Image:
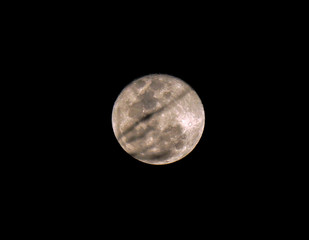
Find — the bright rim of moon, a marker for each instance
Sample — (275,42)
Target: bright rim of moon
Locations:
(158,119)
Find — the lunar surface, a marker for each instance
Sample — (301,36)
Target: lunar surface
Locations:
(158,119)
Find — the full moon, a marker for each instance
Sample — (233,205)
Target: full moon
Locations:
(158,119)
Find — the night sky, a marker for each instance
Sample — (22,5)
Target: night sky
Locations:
(89,68)
(217,72)
(82,67)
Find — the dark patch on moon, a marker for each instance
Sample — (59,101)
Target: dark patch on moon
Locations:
(158,156)
(168,141)
(140,83)
(138,134)
(156,85)
(136,110)
(179,145)
(173,131)
(146,155)
(148,100)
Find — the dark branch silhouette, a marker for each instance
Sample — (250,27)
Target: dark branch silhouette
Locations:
(151,115)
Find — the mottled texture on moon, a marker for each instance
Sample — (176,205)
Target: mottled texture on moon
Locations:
(158,119)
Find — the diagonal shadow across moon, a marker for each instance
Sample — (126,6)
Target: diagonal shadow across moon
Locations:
(152,114)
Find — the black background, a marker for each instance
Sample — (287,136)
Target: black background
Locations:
(78,61)
(90,65)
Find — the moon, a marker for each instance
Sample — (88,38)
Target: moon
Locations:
(158,119)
